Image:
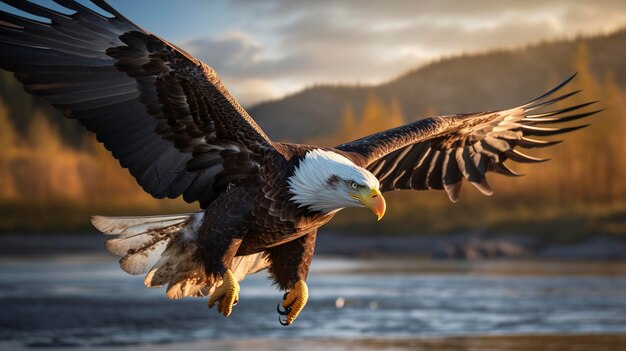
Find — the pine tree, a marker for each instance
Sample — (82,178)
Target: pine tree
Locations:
(54,172)
(396,117)
(42,136)
(374,115)
(348,128)
(581,63)
(614,119)
(8,141)
(584,155)
(8,135)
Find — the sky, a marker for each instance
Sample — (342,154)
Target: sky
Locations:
(266,49)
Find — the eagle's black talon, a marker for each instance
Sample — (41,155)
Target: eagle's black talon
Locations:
(282,313)
(284,323)
(285,296)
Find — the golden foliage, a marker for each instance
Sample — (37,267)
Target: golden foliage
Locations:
(396,117)
(39,173)
(376,116)
(348,124)
(8,141)
(8,136)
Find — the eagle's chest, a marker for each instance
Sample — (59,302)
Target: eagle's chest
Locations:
(272,227)
(276,228)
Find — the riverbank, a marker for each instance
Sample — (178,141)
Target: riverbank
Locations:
(463,246)
(548,342)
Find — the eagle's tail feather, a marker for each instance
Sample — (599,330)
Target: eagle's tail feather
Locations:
(126,226)
(140,240)
(165,247)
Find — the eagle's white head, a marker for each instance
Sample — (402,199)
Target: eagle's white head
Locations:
(326,181)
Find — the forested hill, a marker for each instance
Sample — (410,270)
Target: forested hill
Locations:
(488,81)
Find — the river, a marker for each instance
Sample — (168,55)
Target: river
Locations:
(83,301)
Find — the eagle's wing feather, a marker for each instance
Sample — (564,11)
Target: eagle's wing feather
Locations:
(439,152)
(163,114)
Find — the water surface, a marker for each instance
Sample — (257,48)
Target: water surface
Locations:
(87,301)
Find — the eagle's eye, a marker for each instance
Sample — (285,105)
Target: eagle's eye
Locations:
(354,185)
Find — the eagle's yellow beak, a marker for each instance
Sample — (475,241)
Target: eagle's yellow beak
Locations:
(374,200)
(377,203)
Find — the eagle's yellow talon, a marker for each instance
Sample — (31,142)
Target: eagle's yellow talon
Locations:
(294,301)
(226,295)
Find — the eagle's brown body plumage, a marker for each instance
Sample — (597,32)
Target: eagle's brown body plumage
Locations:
(265,219)
(167,118)
(258,216)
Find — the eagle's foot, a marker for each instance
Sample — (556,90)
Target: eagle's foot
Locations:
(226,295)
(293,303)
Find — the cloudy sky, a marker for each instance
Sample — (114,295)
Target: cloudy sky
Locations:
(266,49)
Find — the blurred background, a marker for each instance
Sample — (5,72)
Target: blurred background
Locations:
(539,265)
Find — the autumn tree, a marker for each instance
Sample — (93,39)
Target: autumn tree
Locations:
(52,171)
(348,127)
(376,117)
(8,141)
(396,117)
(614,120)
(585,79)
(374,114)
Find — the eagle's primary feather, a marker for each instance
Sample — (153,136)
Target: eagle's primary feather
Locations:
(169,120)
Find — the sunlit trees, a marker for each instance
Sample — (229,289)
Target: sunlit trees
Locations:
(376,116)
(50,170)
(612,127)
(39,169)
(396,117)
(348,126)
(8,141)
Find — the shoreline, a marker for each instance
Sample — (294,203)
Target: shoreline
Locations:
(538,342)
(472,246)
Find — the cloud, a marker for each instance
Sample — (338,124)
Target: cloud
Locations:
(235,57)
(286,45)
(229,52)
(250,91)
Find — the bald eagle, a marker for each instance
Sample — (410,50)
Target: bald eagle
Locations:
(169,120)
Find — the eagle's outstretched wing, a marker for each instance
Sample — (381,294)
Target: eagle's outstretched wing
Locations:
(163,114)
(439,152)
